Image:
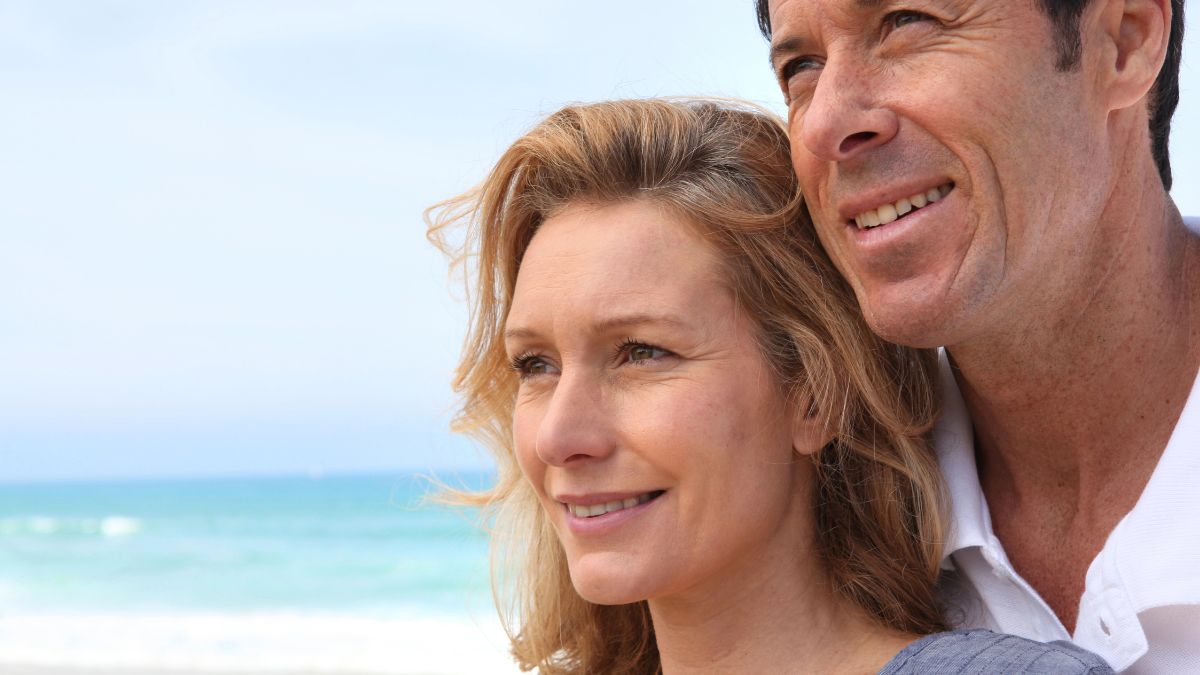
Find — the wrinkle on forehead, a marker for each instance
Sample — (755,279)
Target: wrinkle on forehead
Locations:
(848,15)
(573,269)
(841,14)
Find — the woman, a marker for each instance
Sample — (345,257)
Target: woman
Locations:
(707,462)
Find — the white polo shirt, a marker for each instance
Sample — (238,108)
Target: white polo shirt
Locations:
(1140,608)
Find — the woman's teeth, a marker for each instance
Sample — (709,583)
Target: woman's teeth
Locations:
(580,511)
(890,212)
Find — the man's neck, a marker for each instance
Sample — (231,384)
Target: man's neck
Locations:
(1076,395)
(1073,408)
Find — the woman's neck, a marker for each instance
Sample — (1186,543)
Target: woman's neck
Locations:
(777,613)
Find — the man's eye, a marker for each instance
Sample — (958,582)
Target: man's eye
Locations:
(645,353)
(796,66)
(902,18)
(797,77)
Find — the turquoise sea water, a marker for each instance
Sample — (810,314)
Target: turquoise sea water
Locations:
(315,550)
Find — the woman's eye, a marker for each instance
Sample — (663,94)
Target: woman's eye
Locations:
(638,352)
(532,366)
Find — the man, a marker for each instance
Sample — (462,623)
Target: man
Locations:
(992,176)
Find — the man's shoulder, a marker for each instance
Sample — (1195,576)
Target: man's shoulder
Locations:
(982,651)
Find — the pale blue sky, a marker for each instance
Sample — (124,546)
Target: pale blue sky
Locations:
(212,258)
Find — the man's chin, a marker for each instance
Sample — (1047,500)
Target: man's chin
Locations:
(912,324)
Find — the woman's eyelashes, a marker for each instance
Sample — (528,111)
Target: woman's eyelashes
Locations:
(629,352)
(636,352)
(530,364)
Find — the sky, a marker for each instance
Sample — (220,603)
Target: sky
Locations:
(212,255)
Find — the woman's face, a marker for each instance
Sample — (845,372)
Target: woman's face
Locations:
(647,420)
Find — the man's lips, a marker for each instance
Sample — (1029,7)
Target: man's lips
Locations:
(870,211)
(891,211)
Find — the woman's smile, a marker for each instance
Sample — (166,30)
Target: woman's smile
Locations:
(590,515)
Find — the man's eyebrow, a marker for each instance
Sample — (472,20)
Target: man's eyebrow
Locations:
(607,324)
(786,46)
(793,44)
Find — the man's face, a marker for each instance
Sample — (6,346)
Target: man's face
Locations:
(951,170)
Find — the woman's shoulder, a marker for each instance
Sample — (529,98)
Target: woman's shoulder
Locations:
(982,651)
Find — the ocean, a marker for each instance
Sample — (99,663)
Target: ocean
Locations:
(322,574)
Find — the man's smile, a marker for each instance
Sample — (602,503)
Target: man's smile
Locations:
(891,211)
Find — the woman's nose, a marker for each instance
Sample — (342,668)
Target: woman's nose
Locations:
(845,118)
(576,426)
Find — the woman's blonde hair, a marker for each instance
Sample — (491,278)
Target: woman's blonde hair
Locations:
(725,167)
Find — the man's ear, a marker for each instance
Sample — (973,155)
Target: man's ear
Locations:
(811,430)
(1132,38)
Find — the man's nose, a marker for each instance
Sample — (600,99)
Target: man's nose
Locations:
(845,117)
(576,426)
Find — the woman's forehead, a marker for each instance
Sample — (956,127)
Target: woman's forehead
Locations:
(612,262)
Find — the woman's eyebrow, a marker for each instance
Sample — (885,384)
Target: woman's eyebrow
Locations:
(607,324)
(520,334)
(611,323)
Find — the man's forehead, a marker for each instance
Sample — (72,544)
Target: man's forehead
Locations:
(794,23)
(784,12)
(783,8)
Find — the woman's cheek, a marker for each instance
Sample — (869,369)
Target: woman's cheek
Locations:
(525,426)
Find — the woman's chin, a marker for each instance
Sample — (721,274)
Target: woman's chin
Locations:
(609,584)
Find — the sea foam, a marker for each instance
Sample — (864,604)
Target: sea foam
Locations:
(48,526)
(256,642)
(339,574)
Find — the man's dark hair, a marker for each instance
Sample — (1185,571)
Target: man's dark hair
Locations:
(1064,15)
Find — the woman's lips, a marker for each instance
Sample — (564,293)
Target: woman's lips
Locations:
(609,514)
(591,508)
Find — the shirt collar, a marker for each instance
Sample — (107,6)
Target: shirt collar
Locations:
(1154,551)
(954,441)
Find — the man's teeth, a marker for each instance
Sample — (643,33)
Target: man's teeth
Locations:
(889,212)
(580,511)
